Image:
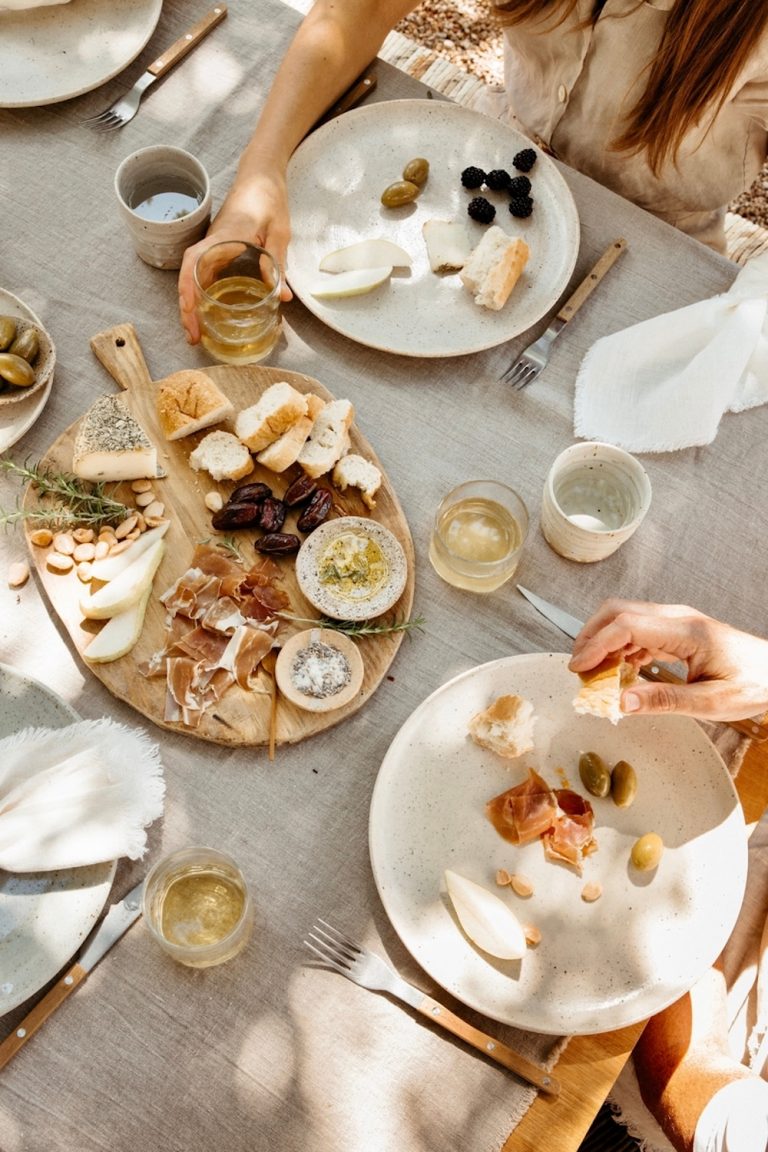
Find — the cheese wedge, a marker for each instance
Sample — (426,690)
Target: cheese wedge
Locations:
(111,445)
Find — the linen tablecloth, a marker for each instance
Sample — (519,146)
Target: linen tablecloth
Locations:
(265,1052)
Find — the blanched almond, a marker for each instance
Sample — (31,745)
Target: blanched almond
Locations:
(59,562)
(154,510)
(145,498)
(591,892)
(125,527)
(101,549)
(214,501)
(120,546)
(155,521)
(135,534)
(84,569)
(41,537)
(532,934)
(141,486)
(83,552)
(141,524)
(503,877)
(18,574)
(521,885)
(64,543)
(83,535)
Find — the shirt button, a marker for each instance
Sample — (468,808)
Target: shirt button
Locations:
(562,93)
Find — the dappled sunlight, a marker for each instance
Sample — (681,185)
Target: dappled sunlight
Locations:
(210,77)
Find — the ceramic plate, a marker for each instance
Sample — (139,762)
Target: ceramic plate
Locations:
(52,53)
(44,916)
(18,418)
(599,966)
(336,177)
(363,600)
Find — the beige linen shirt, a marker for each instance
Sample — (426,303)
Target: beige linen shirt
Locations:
(572,86)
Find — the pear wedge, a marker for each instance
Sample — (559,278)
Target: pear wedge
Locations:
(487,920)
(126,589)
(111,566)
(119,634)
(366,254)
(353,283)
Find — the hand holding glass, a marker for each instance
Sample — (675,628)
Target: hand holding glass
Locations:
(237,301)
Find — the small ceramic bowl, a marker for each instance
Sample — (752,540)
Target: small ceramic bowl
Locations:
(43,363)
(308,681)
(352,568)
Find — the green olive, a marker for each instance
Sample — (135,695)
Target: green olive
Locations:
(416,171)
(26,345)
(594,773)
(623,784)
(7,331)
(646,852)
(16,370)
(399,193)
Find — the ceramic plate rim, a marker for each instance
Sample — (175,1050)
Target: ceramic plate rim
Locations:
(413,893)
(31,407)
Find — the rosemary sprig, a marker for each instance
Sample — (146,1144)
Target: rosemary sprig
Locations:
(227,544)
(76,501)
(359,627)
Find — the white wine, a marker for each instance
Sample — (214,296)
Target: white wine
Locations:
(476,544)
(201,908)
(238,324)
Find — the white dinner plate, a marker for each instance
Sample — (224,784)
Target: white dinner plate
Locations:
(335,180)
(44,916)
(599,966)
(18,418)
(52,53)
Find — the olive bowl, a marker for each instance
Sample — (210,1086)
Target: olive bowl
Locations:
(43,363)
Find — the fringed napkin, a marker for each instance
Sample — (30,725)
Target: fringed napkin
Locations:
(665,384)
(76,795)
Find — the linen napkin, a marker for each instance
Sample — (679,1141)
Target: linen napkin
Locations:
(665,383)
(76,795)
(17,5)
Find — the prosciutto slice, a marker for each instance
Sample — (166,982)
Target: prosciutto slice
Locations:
(571,838)
(525,812)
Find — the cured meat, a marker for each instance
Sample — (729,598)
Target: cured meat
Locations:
(571,838)
(246,649)
(561,818)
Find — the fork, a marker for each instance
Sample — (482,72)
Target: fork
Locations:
(123,110)
(531,361)
(368,970)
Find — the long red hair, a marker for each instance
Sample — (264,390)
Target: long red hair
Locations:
(705,45)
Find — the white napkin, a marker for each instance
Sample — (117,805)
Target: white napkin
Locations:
(76,795)
(664,384)
(17,5)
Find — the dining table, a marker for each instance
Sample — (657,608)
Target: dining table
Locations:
(269,1051)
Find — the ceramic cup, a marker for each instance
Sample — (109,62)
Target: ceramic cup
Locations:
(595,497)
(478,535)
(165,199)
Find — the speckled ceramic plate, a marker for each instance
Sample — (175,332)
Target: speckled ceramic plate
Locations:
(363,601)
(52,53)
(599,966)
(335,179)
(44,916)
(18,418)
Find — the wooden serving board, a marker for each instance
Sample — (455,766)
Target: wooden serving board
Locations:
(239,717)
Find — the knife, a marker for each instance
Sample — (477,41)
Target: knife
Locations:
(353,95)
(656,671)
(117,921)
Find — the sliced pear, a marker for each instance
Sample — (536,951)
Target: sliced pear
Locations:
(488,921)
(366,254)
(119,634)
(126,589)
(111,566)
(354,283)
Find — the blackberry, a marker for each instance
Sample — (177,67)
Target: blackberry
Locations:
(480,210)
(525,160)
(521,206)
(498,180)
(473,177)
(519,186)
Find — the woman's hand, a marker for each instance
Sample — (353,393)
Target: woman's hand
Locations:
(256,211)
(727,669)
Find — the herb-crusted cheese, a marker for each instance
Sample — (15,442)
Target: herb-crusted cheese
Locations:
(111,445)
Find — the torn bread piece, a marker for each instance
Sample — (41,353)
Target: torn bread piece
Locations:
(284,451)
(222,456)
(274,413)
(494,267)
(329,439)
(601,689)
(505,727)
(448,245)
(354,471)
(189,401)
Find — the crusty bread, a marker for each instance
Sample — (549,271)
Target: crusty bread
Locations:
(601,689)
(329,439)
(354,471)
(505,727)
(494,267)
(284,451)
(276,411)
(189,401)
(223,456)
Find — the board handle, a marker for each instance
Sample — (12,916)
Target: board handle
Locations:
(119,351)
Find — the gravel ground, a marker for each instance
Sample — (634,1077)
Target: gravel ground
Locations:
(465,32)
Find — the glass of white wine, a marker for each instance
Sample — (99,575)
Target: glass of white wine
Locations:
(478,535)
(197,906)
(237,289)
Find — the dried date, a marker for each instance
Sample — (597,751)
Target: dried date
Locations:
(300,490)
(237,516)
(272,515)
(249,493)
(278,544)
(316,511)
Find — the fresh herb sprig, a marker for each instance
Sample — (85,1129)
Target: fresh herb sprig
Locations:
(75,501)
(226,544)
(359,627)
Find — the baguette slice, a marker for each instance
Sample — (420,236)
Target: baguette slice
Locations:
(223,456)
(189,401)
(601,689)
(494,267)
(329,439)
(285,450)
(354,471)
(275,412)
(505,727)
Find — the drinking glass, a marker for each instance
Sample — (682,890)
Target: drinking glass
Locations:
(237,289)
(478,535)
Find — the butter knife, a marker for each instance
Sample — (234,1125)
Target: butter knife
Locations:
(656,671)
(117,921)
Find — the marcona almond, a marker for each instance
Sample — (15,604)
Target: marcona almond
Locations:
(145,498)
(155,521)
(125,527)
(503,877)
(41,537)
(84,570)
(135,534)
(214,501)
(591,892)
(84,552)
(141,486)
(59,562)
(100,549)
(18,574)
(521,885)
(64,543)
(119,546)
(141,524)
(154,510)
(83,535)
(532,934)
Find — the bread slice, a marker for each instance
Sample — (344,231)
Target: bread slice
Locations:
(223,456)
(601,689)
(276,411)
(189,401)
(329,439)
(284,451)
(354,471)
(494,267)
(505,727)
